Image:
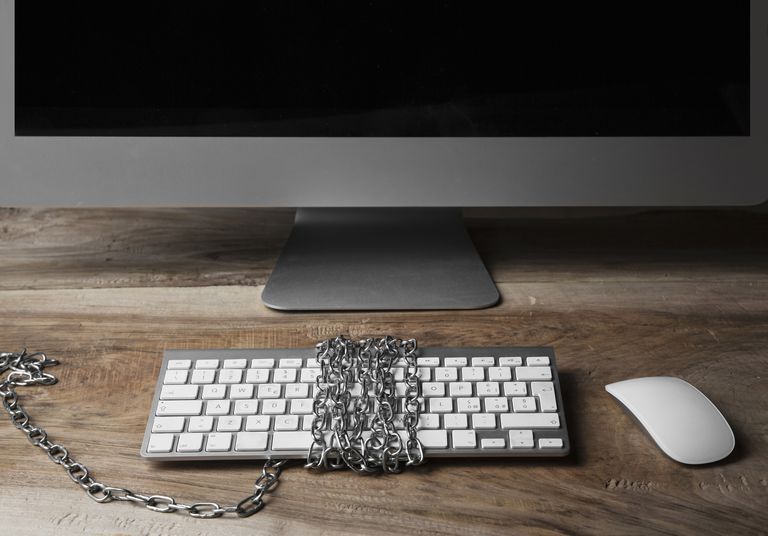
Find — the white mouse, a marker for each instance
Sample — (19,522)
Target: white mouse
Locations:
(685,424)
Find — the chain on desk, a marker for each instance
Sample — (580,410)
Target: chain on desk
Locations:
(24,369)
(28,369)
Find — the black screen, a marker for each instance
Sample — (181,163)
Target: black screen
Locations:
(382,68)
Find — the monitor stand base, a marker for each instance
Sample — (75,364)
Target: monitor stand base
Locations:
(379,259)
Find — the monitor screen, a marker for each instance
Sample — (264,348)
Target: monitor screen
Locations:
(383,69)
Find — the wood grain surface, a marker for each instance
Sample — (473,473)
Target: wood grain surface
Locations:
(619,294)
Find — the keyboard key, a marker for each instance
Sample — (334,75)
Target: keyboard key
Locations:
(175,377)
(190,443)
(428,361)
(297,390)
(301,406)
(510,361)
(178,392)
(167,424)
(484,421)
(291,363)
(500,374)
(257,376)
(169,408)
(446,374)
(214,392)
(160,443)
(460,389)
(235,363)
(217,407)
(530,420)
(492,443)
(309,375)
(229,424)
(463,439)
(200,424)
(432,389)
(251,441)
(483,361)
(270,390)
(455,362)
(521,439)
(537,361)
(453,421)
(429,421)
(496,404)
(468,405)
(246,407)
(273,407)
(550,443)
(525,374)
(257,423)
(176,364)
(203,376)
(230,376)
(291,440)
(207,364)
(523,404)
(487,389)
(262,363)
(472,374)
(284,375)
(219,442)
(515,389)
(241,391)
(287,422)
(437,439)
(425,374)
(306,422)
(440,405)
(545,391)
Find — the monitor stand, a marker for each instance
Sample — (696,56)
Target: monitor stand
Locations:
(379,259)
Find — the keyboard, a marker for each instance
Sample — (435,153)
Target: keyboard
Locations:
(257,404)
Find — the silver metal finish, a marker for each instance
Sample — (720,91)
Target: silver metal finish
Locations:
(435,172)
(379,259)
(557,432)
(338,439)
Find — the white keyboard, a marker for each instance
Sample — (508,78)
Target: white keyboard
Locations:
(257,404)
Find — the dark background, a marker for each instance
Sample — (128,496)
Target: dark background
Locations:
(383,68)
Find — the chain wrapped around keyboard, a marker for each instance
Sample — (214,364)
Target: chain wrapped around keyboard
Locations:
(357,431)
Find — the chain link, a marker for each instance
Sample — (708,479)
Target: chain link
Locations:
(339,437)
(28,369)
(338,429)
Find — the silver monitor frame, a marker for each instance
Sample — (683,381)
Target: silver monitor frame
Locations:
(397,172)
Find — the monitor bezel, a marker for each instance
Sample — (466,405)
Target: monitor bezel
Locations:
(436,172)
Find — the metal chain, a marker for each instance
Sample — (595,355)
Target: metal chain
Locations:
(28,369)
(343,364)
(339,428)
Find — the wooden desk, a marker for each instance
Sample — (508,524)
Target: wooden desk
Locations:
(618,295)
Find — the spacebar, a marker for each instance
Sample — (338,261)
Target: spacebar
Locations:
(291,440)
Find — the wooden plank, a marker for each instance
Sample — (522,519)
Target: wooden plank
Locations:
(101,248)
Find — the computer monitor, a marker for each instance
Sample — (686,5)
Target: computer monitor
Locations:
(378,119)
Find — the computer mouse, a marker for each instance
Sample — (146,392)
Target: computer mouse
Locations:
(683,422)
